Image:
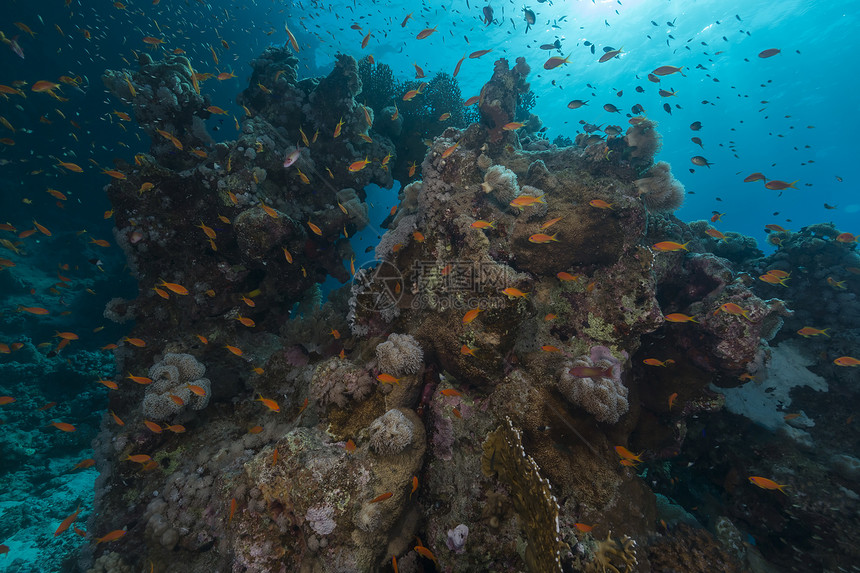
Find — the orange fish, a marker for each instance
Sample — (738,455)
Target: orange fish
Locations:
(255,429)
(808,331)
(471,101)
(269,403)
(84,464)
(732,308)
(174,287)
(524,201)
(117,419)
(32,309)
(112,536)
(669,246)
(175,428)
(600,204)
(450,150)
(766,483)
(359,165)
(565,276)
(233,349)
(678,317)
(627,454)
(672,397)
(542,238)
(135,342)
(387,379)
(450,392)
(138,458)
(550,348)
(41,228)
(66,523)
(755,177)
(772,279)
(64,426)
(315,229)
(424,552)
(109,383)
(846,361)
(550,223)
(655,362)
(232,510)
(514,292)
(467,350)
(153,427)
(381,497)
(481,224)
(583,527)
(6,400)
(471,315)
(139,379)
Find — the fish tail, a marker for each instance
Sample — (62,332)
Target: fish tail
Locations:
(824,332)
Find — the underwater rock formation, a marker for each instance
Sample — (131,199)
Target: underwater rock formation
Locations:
(479,378)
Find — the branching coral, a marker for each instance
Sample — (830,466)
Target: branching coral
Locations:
(601,394)
(531,496)
(400,354)
(660,191)
(169,392)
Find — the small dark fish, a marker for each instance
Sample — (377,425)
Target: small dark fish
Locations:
(697,141)
(586,43)
(592,48)
(672,23)
(667,108)
(769,53)
(640,89)
(696,125)
(637,109)
(611,108)
(529,17)
(826,206)
(488,15)
(700,161)
(655,23)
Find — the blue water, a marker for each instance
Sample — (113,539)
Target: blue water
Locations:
(790,117)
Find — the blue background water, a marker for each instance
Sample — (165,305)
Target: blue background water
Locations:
(805,131)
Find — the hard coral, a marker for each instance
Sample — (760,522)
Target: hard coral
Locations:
(400,354)
(604,397)
(171,377)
